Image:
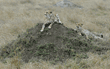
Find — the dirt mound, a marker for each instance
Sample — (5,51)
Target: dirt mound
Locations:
(55,44)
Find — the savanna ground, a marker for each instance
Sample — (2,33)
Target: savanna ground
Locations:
(18,16)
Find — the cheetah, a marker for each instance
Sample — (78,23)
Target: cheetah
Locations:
(50,18)
(87,33)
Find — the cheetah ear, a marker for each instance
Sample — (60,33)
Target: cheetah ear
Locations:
(81,24)
(78,24)
(45,12)
(50,11)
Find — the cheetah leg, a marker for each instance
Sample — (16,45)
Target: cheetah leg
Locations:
(50,25)
(43,26)
(87,37)
(58,19)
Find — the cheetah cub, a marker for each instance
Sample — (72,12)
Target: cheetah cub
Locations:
(50,18)
(80,30)
(88,34)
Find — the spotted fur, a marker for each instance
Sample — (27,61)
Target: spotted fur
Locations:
(50,18)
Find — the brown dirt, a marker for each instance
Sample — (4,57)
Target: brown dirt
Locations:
(55,44)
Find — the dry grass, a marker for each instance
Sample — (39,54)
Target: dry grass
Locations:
(18,15)
(93,62)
